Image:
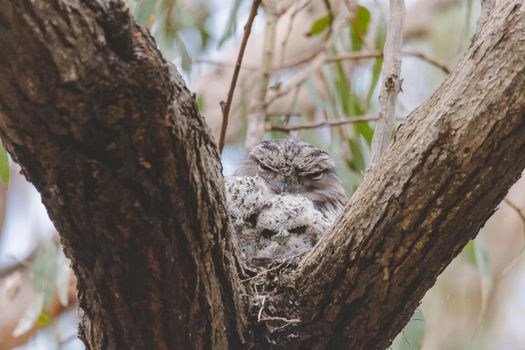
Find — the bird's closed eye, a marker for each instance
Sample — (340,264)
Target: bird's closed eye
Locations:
(315,176)
(263,167)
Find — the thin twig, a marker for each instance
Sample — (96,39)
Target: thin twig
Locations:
(293,102)
(288,32)
(319,124)
(223,64)
(428,59)
(406,340)
(360,55)
(516,209)
(318,59)
(255,131)
(286,261)
(284,7)
(297,79)
(363,55)
(259,314)
(282,319)
(391,81)
(284,114)
(225,107)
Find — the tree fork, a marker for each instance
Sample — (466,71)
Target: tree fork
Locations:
(129,174)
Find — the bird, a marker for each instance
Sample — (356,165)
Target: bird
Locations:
(281,200)
(296,167)
(268,226)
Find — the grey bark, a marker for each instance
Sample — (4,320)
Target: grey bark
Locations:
(113,141)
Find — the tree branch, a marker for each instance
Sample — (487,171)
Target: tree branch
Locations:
(255,128)
(112,139)
(391,81)
(315,125)
(225,106)
(452,163)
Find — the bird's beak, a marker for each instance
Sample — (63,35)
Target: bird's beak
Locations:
(284,186)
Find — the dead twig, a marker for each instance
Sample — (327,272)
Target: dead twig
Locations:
(363,55)
(259,314)
(319,124)
(225,106)
(428,59)
(285,261)
(516,209)
(360,55)
(391,81)
(282,319)
(255,131)
(223,64)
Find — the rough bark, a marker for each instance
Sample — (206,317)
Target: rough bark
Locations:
(451,164)
(112,139)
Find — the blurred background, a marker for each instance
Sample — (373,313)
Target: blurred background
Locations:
(311,71)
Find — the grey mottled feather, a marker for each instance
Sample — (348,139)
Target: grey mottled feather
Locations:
(290,166)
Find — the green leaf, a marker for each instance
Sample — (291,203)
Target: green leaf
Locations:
(350,104)
(359,27)
(376,74)
(43,319)
(62,277)
(231,26)
(343,90)
(44,271)
(319,25)
(468,254)
(357,163)
(481,254)
(143,10)
(30,316)
(205,36)
(411,337)
(183,52)
(200,103)
(476,255)
(379,41)
(364,130)
(4,165)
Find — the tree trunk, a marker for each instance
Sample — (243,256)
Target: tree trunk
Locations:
(128,171)
(113,141)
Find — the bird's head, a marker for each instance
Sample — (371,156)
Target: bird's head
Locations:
(290,166)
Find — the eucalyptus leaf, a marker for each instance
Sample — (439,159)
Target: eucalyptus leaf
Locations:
(319,26)
(4,165)
(183,52)
(43,270)
(62,277)
(143,11)
(359,27)
(357,163)
(468,254)
(411,337)
(30,316)
(364,129)
(481,254)
(231,25)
